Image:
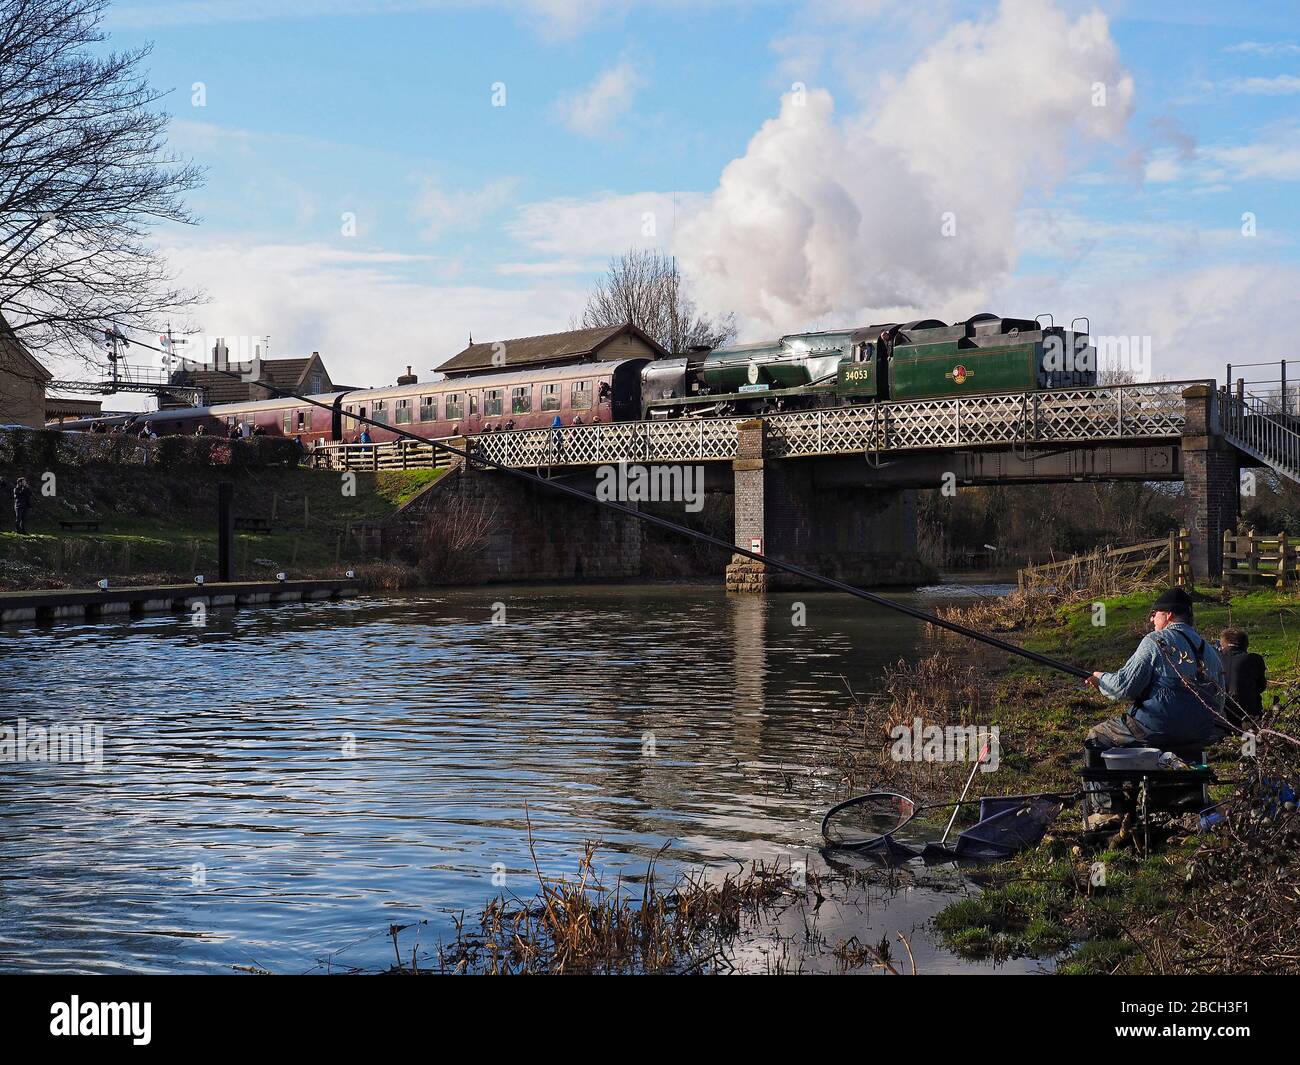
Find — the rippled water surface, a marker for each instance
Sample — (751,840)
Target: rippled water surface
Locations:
(283,784)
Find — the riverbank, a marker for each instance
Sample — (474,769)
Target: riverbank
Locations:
(147,525)
(1216,902)
(1194,905)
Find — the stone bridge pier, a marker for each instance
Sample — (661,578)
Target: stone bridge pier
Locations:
(864,535)
(1211,479)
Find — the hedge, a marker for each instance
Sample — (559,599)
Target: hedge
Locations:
(50,448)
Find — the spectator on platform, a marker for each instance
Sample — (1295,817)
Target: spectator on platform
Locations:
(364,438)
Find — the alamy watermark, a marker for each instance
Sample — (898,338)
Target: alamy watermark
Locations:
(919,742)
(652,484)
(79,744)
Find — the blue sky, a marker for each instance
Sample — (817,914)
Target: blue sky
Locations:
(496,219)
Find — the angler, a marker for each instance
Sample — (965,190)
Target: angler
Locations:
(1174,683)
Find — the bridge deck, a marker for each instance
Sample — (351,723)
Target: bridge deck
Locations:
(1137,413)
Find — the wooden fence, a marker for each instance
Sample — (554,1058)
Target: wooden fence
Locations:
(391,455)
(1170,556)
(1250,556)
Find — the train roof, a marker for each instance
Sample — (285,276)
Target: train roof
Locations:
(574,371)
(327,399)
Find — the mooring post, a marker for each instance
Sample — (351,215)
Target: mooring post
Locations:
(225,530)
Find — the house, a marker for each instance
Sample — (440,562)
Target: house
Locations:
(60,409)
(22,382)
(601,344)
(305,376)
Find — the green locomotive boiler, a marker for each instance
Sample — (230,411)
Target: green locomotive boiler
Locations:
(925,359)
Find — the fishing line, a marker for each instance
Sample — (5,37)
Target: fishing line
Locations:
(470,456)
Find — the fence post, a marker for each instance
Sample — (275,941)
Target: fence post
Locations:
(1229,563)
(1252,557)
(1281,560)
(1173,557)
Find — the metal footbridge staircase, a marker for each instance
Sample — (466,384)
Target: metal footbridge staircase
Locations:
(1258,418)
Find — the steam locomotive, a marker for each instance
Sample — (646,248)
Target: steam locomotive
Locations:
(918,360)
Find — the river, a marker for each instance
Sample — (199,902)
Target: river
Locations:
(281,784)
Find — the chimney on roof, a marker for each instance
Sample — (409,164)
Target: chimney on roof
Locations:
(407,378)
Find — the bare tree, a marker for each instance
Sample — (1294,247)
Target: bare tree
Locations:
(645,287)
(84,176)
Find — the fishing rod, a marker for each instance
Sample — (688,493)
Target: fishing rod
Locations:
(469,455)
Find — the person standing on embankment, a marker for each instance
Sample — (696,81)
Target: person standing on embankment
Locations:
(22,502)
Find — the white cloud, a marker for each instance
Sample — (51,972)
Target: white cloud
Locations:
(550,268)
(553,18)
(1163,168)
(1282,85)
(1274,158)
(1198,318)
(441,210)
(593,111)
(369,313)
(604,224)
(1265,48)
(844,217)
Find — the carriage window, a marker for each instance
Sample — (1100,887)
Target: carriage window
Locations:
(288,421)
(428,408)
(402,416)
(580,399)
(550,397)
(492,403)
(380,411)
(302,420)
(521,399)
(473,404)
(455,406)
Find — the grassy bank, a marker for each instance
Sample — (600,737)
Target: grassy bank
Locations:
(1193,904)
(160,525)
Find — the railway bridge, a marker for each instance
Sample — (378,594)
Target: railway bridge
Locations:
(834,488)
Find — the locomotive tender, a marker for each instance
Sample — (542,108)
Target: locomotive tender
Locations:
(925,359)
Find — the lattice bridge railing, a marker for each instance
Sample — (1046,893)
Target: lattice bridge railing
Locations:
(1138,412)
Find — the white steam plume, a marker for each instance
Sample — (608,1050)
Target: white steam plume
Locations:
(844,218)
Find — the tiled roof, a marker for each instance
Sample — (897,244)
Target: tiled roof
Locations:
(220,387)
(525,351)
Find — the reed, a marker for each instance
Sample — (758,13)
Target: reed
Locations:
(579,925)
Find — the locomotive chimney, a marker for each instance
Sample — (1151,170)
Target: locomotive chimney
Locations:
(407,378)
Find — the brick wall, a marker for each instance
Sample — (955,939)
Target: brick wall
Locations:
(22,390)
(537,535)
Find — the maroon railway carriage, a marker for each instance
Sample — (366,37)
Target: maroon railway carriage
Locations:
(498,402)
